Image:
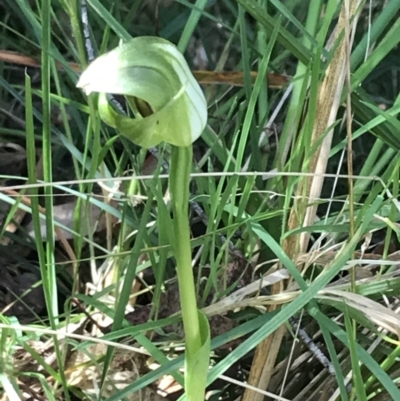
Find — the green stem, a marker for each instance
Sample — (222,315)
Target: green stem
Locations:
(262,46)
(181,161)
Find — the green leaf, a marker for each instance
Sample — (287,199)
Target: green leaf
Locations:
(357,376)
(197,364)
(167,101)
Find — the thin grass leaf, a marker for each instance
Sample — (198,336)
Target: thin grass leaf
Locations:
(357,377)
(364,356)
(388,43)
(8,388)
(123,296)
(191,24)
(178,362)
(301,300)
(284,37)
(109,20)
(253,99)
(378,26)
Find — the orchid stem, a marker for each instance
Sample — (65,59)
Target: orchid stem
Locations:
(181,162)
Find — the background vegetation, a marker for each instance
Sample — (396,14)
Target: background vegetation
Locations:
(295,179)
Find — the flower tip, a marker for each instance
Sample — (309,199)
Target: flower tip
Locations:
(84,85)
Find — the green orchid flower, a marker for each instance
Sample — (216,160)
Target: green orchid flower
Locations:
(167,101)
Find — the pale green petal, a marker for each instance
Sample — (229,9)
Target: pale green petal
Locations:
(151,69)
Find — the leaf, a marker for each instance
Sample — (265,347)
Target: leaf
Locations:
(197,364)
(357,376)
(167,101)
